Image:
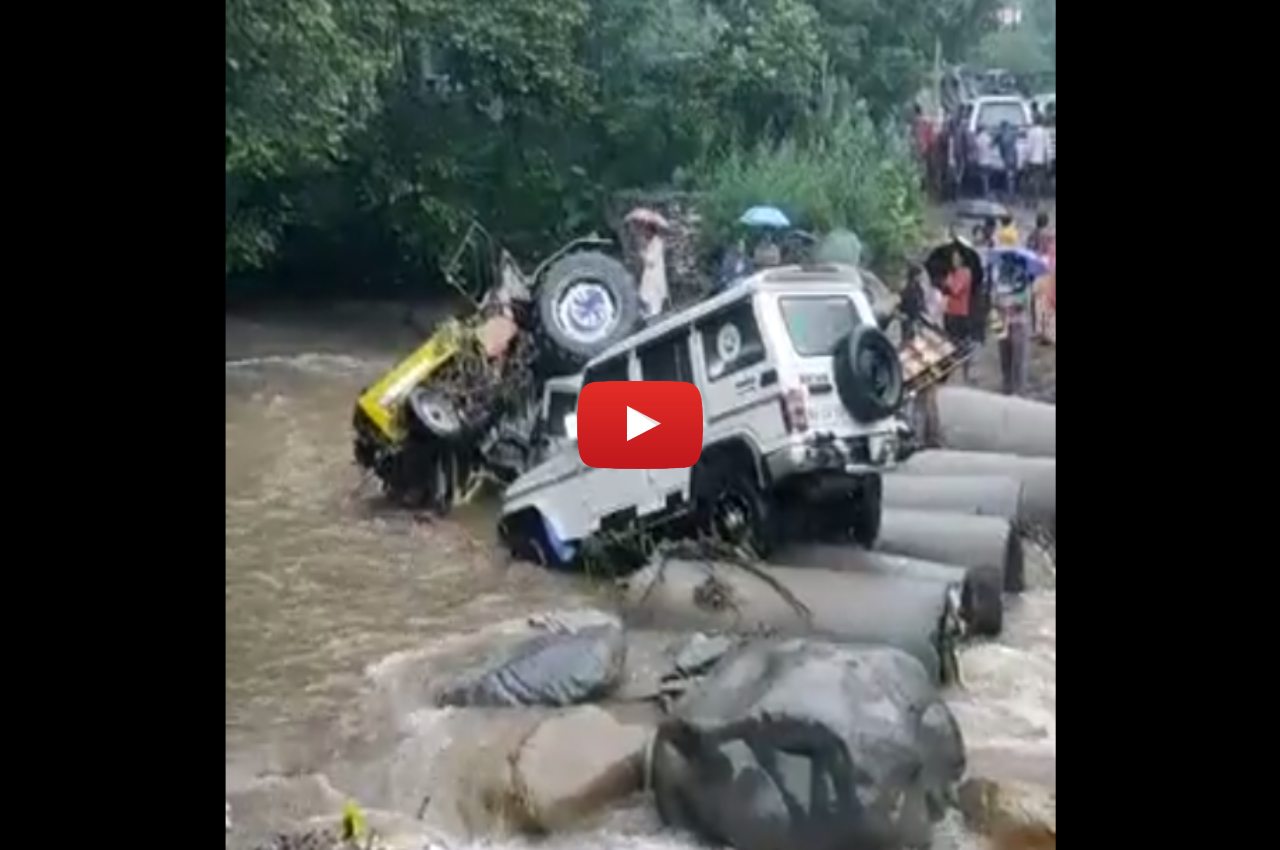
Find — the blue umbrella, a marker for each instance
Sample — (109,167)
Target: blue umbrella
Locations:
(1034,264)
(765,217)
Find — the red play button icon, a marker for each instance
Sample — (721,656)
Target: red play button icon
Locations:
(640,424)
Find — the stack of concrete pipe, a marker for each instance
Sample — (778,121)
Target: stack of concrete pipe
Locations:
(953,517)
(985,436)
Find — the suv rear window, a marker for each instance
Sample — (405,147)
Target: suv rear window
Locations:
(731,341)
(816,323)
(992,115)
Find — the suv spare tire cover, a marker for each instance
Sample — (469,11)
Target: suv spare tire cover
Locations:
(587,301)
(868,374)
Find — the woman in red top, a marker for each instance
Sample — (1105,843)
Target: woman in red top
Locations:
(958,287)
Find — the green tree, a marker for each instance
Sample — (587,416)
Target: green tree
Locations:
(300,77)
(362,136)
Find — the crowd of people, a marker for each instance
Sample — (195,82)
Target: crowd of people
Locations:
(1006,293)
(959,161)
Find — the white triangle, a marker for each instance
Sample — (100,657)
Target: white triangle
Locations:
(638,423)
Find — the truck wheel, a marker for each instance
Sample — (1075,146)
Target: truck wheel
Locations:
(587,301)
(435,413)
(868,374)
(864,519)
(735,510)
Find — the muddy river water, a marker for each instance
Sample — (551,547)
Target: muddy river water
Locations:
(323,580)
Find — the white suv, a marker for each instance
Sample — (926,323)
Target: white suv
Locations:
(799,391)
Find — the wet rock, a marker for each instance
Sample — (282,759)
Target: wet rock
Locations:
(699,652)
(576,657)
(811,746)
(575,764)
(453,768)
(1012,814)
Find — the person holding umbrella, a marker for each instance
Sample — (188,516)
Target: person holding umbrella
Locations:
(1014,270)
(767,219)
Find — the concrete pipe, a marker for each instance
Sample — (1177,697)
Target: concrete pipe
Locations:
(981,599)
(986,542)
(919,617)
(1038,476)
(976,420)
(984,495)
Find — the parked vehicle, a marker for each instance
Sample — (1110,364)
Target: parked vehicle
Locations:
(992,112)
(800,390)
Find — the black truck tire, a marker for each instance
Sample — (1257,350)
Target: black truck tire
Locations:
(868,374)
(587,277)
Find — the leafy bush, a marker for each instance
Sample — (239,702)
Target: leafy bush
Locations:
(848,175)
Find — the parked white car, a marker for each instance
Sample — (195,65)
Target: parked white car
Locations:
(991,112)
(799,390)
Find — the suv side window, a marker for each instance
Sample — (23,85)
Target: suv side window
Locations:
(559,406)
(731,341)
(609,370)
(666,359)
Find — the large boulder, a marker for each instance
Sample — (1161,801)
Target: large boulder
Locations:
(575,764)
(570,661)
(810,746)
(1012,814)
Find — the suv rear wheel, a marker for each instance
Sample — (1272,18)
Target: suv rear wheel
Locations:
(864,518)
(735,509)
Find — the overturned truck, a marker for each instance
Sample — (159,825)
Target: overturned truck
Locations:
(461,408)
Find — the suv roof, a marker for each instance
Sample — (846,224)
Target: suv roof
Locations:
(997,98)
(781,277)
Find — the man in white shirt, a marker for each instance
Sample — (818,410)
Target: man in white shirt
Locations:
(1037,155)
(988,159)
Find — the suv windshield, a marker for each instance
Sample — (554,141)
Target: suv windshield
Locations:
(817,322)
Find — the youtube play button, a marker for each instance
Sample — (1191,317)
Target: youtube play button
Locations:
(640,425)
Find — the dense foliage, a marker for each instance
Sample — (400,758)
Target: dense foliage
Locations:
(1029,49)
(362,135)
